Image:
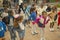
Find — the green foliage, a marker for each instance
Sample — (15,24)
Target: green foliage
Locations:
(58,5)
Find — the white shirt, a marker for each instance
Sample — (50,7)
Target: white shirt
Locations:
(4,14)
(21,26)
(11,21)
(20,1)
(40,10)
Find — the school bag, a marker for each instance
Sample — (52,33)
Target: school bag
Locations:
(2,29)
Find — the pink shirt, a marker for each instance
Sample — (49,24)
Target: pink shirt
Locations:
(45,19)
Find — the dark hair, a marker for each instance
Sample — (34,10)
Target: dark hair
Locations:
(33,4)
(32,9)
(44,12)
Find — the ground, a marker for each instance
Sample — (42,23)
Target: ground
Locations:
(48,35)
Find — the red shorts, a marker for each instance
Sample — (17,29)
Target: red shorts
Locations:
(33,22)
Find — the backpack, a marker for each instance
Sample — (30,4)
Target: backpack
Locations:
(2,29)
(6,19)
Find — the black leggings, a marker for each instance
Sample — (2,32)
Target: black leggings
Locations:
(55,18)
(51,25)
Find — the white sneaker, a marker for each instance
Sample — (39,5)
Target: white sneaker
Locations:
(36,32)
(42,38)
(51,29)
(33,33)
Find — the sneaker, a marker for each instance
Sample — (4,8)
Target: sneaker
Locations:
(51,29)
(42,39)
(33,33)
(36,32)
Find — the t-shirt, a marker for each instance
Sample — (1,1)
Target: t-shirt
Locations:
(4,14)
(11,21)
(20,1)
(21,26)
(42,20)
(40,10)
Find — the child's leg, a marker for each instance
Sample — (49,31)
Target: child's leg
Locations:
(21,34)
(58,26)
(42,33)
(12,33)
(34,29)
(55,18)
(51,26)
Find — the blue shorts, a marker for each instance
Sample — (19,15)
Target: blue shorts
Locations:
(21,33)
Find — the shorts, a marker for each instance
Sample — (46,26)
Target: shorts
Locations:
(51,21)
(41,25)
(33,22)
(21,33)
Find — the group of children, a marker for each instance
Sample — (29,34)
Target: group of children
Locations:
(16,19)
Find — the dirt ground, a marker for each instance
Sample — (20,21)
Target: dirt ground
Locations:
(48,35)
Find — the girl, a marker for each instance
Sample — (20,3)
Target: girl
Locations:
(32,17)
(41,21)
(10,25)
(55,9)
(19,27)
(52,15)
(58,20)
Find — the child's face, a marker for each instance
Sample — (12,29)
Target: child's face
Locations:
(16,6)
(45,15)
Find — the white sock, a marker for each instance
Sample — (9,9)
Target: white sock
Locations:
(42,33)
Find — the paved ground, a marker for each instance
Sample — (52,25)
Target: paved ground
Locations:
(48,35)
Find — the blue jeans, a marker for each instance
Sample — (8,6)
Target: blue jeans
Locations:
(12,32)
(21,33)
